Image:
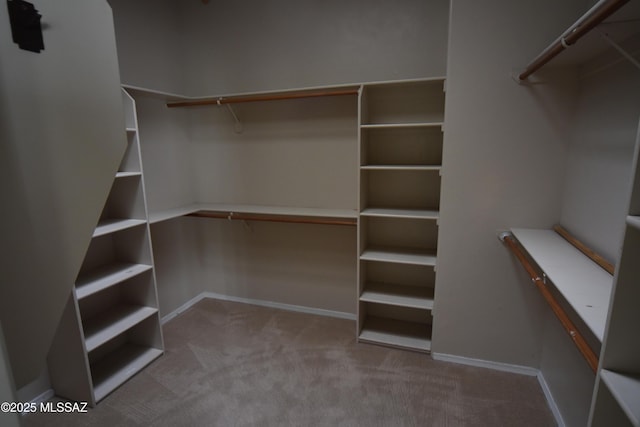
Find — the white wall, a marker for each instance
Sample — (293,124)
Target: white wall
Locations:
(245,45)
(596,192)
(62,132)
(503,166)
(166,154)
(178,258)
(239,46)
(150,43)
(300,153)
(299,264)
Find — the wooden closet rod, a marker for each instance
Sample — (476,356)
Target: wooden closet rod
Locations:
(297,219)
(606,265)
(266,97)
(586,23)
(568,325)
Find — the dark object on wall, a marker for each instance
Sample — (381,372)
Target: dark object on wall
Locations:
(25,25)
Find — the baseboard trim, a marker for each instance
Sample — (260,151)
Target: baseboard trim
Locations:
(283,306)
(498,366)
(184,307)
(550,400)
(262,303)
(506,367)
(42,397)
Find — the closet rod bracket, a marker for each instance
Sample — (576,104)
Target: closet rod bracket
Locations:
(238,125)
(619,48)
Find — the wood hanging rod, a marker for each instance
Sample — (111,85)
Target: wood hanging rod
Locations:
(576,336)
(297,219)
(586,23)
(266,97)
(606,265)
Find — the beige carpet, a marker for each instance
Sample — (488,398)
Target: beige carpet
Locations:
(231,364)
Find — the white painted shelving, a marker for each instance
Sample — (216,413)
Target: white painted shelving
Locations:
(111,326)
(400,163)
(616,400)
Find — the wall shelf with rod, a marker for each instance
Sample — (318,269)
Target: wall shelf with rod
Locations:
(613,21)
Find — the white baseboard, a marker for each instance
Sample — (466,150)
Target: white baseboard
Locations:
(498,366)
(506,367)
(43,397)
(262,303)
(550,400)
(184,307)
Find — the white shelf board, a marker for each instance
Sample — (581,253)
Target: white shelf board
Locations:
(401,213)
(584,284)
(401,125)
(400,255)
(105,277)
(167,214)
(131,130)
(398,295)
(396,333)
(105,326)
(401,168)
(634,221)
(127,174)
(113,225)
(117,367)
(253,209)
(626,390)
(168,96)
(281,210)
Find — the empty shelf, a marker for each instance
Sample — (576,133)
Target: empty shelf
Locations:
(107,276)
(401,125)
(582,283)
(117,367)
(131,130)
(401,213)
(113,225)
(400,255)
(167,214)
(396,333)
(626,390)
(228,211)
(398,295)
(401,167)
(101,328)
(127,174)
(634,221)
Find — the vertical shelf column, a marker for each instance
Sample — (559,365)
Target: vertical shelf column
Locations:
(110,329)
(400,134)
(617,393)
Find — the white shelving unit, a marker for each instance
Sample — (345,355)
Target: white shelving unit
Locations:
(400,136)
(617,393)
(110,329)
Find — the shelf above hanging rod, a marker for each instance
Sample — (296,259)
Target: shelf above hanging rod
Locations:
(265,97)
(260,213)
(594,17)
(540,281)
(296,219)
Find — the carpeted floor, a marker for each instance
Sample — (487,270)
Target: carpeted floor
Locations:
(231,364)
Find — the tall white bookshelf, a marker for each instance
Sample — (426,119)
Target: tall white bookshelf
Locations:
(400,133)
(110,328)
(617,393)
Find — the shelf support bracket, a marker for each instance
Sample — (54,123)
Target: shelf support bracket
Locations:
(619,48)
(238,125)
